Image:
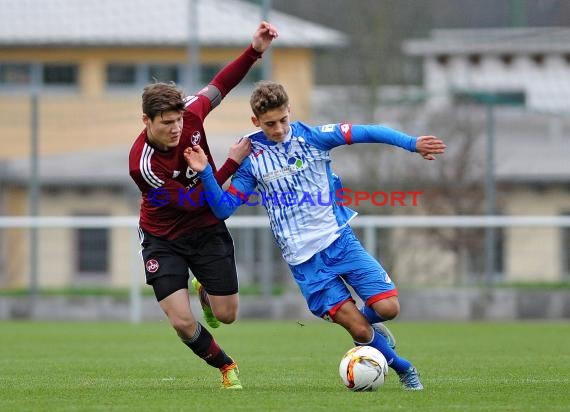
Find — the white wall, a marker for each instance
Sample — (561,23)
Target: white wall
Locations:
(546,85)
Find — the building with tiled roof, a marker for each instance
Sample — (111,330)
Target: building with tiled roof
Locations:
(130,23)
(88,61)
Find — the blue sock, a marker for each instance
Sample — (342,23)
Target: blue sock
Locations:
(370,315)
(396,362)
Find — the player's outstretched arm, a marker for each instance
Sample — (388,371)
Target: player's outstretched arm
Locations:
(230,76)
(429,146)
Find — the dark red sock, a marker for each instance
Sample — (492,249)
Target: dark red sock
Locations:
(204,345)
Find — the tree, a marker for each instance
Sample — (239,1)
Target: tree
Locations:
(376,29)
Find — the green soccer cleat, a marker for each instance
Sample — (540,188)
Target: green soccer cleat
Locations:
(230,378)
(411,380)
(209,316)
(384,331)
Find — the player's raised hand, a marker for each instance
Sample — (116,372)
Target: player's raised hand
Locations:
(263,36)
(240,150)
(196,158)
(429,146)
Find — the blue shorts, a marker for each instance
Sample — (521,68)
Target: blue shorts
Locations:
(322,278)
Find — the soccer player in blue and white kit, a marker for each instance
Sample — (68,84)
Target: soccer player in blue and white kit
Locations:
(290,166)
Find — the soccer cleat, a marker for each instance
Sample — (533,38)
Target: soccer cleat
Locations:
(384,331)
(411,379)
(209,316)
(230,378)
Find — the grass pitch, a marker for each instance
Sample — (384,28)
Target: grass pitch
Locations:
(285,366)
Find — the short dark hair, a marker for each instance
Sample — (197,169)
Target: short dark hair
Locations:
(266,96)
(158,98)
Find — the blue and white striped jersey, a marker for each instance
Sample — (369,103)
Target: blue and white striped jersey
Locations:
(293,180)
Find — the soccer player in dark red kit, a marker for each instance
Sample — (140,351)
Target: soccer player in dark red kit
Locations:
(178,230)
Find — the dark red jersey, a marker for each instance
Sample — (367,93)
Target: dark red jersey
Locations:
(172,201)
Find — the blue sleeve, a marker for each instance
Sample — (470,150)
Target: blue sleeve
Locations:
(333,135)
(224,203)
(382,134)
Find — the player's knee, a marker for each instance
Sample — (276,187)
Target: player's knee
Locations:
(227,319)
(361,332)
(391,312)
(388,308)
(183,326)
(226,316)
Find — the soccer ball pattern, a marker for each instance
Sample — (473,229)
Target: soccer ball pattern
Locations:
(363,368)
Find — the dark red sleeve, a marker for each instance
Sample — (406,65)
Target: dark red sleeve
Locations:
(230,76)
(226,171)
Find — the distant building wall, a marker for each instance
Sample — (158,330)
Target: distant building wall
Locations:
(58,247)
(92,116)
(536,254)
(15,242)
(543,81)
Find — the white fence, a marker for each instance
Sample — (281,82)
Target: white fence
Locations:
(258,260)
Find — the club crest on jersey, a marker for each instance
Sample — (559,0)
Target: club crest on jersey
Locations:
(195,139)
(152,265)
(294,165)
(175,174)
(190,173)
(295,162)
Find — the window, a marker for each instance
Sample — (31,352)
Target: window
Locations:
(474,59)
(509,98)
(538,59)
(131,75)
(476,257)
(121,74)
(442,59)
(163,73)
(208,71)
(60,74)
(93,248)
(507,59)
(135,75)
(15,74)
(500,252)
(27,74)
